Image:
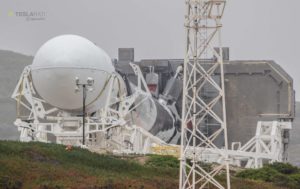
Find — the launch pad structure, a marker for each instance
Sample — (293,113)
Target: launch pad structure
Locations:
(106,130)
(143,112)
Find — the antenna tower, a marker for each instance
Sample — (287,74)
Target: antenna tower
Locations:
(203,111)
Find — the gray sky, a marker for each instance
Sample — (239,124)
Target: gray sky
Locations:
(253,29)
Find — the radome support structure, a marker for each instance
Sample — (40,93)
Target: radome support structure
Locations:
(106,130)
(203,26)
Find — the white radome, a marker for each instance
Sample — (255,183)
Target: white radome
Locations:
(59,61)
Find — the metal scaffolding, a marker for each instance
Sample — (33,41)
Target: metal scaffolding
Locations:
(203,74)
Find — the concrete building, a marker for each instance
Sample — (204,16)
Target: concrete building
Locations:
(255,91)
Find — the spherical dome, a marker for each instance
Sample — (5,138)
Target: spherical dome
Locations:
(60,61)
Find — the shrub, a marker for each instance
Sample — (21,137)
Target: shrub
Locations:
(284,168)
(281,174)
(10,183)
(296,178)
(263,174)
(163,161)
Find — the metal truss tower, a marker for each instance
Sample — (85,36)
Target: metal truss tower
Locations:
(204,110)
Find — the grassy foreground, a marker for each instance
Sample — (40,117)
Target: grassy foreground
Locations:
(49,166)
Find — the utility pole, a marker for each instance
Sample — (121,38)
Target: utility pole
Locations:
(87,86)
(203,74)
(83,113)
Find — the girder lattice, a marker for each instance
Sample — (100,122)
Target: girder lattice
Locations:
(204,111)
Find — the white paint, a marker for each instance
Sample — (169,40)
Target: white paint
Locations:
(60,60)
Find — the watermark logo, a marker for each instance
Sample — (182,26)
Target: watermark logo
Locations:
(10,13)
(28,15)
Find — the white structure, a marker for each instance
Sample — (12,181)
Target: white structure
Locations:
(264,148)
(107,130)
(47,90)
(60,60)
(49,108)
(203,26)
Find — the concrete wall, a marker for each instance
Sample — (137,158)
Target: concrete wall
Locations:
(255,90)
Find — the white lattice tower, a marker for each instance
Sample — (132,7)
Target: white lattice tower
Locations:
(203,96)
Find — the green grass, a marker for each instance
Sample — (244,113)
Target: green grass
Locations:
(39,165)
(163,161)
(49,166)
(281,174)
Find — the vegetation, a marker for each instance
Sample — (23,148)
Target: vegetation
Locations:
(281,174)
(50,166)
(163,161)
(39,165)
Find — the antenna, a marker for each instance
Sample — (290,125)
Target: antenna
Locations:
(203,116)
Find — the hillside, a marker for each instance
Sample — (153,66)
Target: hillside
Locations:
(38,165)
(47,166)
(11,67)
